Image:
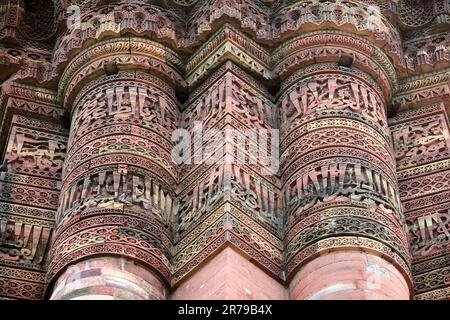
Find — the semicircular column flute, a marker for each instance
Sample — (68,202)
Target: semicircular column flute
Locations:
(345,236)
(117,196)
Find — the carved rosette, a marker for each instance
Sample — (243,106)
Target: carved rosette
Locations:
(338,168)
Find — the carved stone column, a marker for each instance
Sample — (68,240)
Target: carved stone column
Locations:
(117,194)
(228,228)
(117,199)
(345,235)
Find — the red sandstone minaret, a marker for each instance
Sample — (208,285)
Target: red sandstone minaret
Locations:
(242,149)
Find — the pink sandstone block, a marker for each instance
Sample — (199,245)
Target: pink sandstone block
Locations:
(352,275)
(230,276)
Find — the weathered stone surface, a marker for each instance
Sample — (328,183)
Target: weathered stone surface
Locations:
(238,149)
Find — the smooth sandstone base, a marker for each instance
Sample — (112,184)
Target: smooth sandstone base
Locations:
(335,276)
(348,276)
(230,276)
(108,278)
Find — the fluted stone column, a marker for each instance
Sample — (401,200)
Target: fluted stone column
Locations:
(117,193)
(114,222)
(345,234)
(117,200)
(340,232)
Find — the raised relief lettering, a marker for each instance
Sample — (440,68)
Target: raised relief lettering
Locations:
(23,242)
(118,190)
(429,233)
(419,143)
(334,94)
(120,103)
(339,182)
(31,152)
